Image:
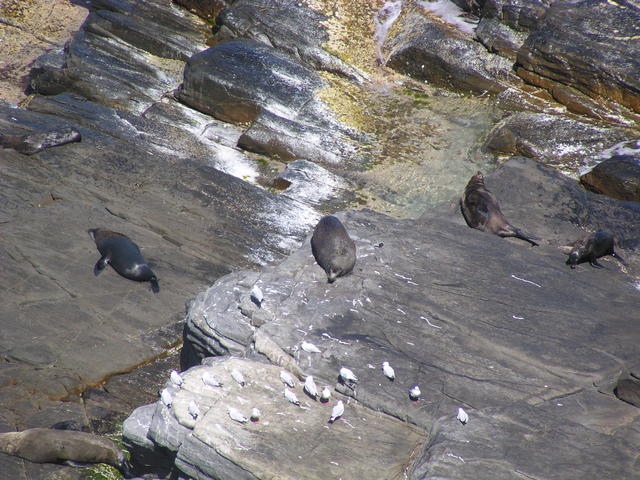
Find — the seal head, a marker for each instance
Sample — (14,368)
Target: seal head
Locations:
(481,211)
(591,247)
(333,248)
(123,255)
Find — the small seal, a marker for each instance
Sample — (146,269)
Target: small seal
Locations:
(123,255)
(332,248)
(591,247)
(45,445)
(481,210)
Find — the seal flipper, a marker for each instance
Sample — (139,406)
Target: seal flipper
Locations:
(619,258)
(100,265)
(155,288)
(594,263)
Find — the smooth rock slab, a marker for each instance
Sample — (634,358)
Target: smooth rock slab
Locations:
(521,442)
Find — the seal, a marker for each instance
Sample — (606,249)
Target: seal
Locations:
(332,248)
(591,247)
(45,445)
(123,255)
(481,210)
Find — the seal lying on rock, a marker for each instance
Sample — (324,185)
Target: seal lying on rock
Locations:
(332,248)
(123,255)
(36,142)
(44,445)
(591,247)
(482,211)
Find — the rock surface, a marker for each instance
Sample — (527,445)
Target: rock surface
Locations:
(427,49)
(617,177)
(495,334)
(575,142)
(587,44)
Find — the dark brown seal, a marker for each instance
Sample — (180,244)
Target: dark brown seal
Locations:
(482,211)
(591,247)
(123,255)
(332,248)
(44,445)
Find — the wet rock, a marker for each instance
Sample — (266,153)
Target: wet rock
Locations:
(552,139)
(499,38)
(617,177)
(310,183)
(236,80)
(540,446)
(520,15)
(207,9)
(562,49)
(427,49)
(291,27)
(216,446)
(290,140)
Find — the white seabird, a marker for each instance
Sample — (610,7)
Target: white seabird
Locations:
(166,397)
(287,379)
(176,378)
(193,409)
(309,347)
(388,371)
(255,414)
(256,295)
(210,380)
(310,387)
(347,375)
(337,411)
(289,395)
(414,393)
(325,395)
(462,416)
(237,416)
(238,377)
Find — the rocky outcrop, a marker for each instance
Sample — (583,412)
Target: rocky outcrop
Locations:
(563,49)
(617,177)
(575,142)
(428,49)
(476,321)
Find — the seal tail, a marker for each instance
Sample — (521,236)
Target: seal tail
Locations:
(155,288)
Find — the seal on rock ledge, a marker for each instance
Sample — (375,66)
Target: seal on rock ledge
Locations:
(332,248)
(45,445)
(481,210)
(591,247)
(123,255)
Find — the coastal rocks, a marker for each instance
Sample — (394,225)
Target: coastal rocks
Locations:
(291,27)
(488,356)
(428,49)
(244,81)
(539,446)
(520,15)
(617,177)
(562,49)
(222,443)
(552,139)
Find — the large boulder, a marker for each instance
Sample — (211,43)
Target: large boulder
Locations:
(618,177)
(562,141)
(587,44)
(428,49)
